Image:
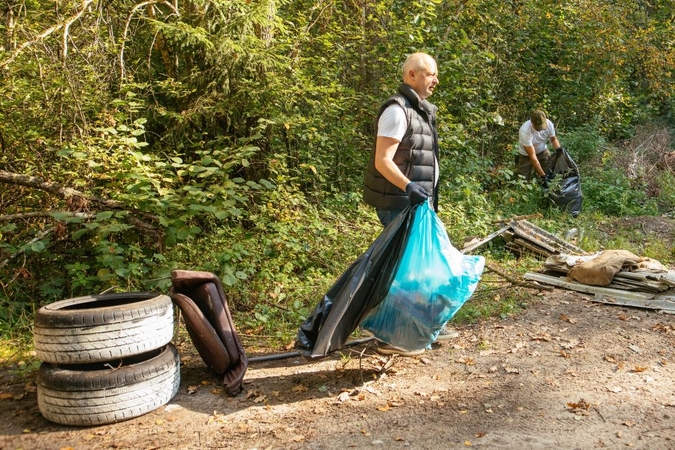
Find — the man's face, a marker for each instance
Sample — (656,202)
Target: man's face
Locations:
(424,81)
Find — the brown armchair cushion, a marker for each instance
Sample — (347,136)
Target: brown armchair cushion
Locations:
(200,297)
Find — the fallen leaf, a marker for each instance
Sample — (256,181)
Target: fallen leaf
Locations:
(579,408)
(567,319)
(570,344)
(639,369)
(610,359)
(384,408)
(192,389)
(300,388)
(541,337)
(629,423)
(510,369)
(6,396)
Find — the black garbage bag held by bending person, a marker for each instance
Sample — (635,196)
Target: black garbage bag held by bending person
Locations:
(565,182)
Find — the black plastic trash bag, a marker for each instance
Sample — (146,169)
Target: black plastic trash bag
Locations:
(358,290)
(565,184)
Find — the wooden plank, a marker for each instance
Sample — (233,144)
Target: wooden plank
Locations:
(643,284)
(484,241)
(663,302)
(532,230)
(520,235)
(667,278)
(667,305)
(531,246)
(574,286)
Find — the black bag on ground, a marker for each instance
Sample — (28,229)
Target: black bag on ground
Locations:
(200,297)
(358,290)
(565,183)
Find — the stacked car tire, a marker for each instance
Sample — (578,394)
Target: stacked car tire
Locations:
(105,358)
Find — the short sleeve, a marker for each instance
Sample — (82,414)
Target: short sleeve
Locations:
(392,122)
(525,135)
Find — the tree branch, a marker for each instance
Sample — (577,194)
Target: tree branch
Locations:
(34,214)
(78,200)
(39,236)
(46,33)
(126,28)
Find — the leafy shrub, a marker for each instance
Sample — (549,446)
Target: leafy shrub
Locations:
(665,181)
(586,146)
(611,192)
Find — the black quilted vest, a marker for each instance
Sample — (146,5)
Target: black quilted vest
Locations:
(415,156)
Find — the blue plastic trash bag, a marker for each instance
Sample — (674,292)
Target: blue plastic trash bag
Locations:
(432,282)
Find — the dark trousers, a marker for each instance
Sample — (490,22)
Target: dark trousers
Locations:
(524,165)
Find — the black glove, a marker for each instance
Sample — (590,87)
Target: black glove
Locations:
(543,181)
(416,193)
(559,148)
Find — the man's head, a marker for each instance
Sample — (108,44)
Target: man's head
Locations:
(421,74)
(538,120)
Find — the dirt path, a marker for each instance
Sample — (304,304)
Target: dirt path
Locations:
(566,373)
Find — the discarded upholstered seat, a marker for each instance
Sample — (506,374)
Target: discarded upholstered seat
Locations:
(200,297)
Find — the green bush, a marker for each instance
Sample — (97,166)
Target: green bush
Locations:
(612,193)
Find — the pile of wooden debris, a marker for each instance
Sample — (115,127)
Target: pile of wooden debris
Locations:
(651,286)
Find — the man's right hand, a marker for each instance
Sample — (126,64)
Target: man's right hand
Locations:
(543,181)
(416,193)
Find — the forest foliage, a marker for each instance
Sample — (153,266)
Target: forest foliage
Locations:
(137,137)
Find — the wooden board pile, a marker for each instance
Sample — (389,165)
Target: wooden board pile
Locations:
(641,289)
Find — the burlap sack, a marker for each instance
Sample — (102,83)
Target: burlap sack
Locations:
(600,271)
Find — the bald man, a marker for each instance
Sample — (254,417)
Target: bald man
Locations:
(403,166)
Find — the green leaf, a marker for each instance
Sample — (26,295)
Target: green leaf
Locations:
(79,233)
(37,247)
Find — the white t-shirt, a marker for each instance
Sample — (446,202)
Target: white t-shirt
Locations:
(393,124)
(537,139)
